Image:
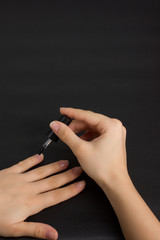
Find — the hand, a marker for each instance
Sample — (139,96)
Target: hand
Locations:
(26,193)
(101,150)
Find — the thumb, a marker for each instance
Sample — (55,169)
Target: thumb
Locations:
(32,229)
(66,134)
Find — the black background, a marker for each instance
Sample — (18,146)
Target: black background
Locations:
(102,56)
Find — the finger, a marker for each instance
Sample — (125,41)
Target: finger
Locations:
(26,164)
(57,180)
(89,135)
(34,229)
(54,197)
(67,136)
(78,126)
(91,118)
(44,171)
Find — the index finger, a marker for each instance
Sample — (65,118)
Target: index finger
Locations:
(89,117)
(26,164)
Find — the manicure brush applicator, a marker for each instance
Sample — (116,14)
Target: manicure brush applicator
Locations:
(52,137)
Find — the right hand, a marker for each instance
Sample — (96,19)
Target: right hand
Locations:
(104,157)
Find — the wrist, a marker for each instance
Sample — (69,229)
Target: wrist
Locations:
(115,181)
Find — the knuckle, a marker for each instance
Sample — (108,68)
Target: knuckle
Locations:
(69,175)
(117,122)
(39,171)
(101,125)
(51,181)
(65,133)
(13,230)
(100,115)
(20,163)
(17,167)
(96,114)
(69,192)
(54,197)
(64,176)
(53,167)
(37,232)
(30,161)
(125,130)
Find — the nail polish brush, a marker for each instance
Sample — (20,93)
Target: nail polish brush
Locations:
(52,137)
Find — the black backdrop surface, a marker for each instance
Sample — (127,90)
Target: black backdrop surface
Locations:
(102,56)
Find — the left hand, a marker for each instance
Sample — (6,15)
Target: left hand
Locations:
(26,193)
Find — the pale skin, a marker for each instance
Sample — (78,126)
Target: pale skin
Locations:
(26,193)
(101,152)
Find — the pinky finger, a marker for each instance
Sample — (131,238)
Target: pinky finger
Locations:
(54,197)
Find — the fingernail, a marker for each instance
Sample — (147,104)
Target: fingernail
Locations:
(64,163)
(81,184)
(39,157)
(51,235)
(55,126)
(77,170)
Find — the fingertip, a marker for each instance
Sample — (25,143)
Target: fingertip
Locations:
(63,109)
(55,125)
(81,185)
(53,235)
(39,157)
(63,163)
(56,234)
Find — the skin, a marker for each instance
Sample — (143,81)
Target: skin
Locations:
(101,152)
(26,193)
